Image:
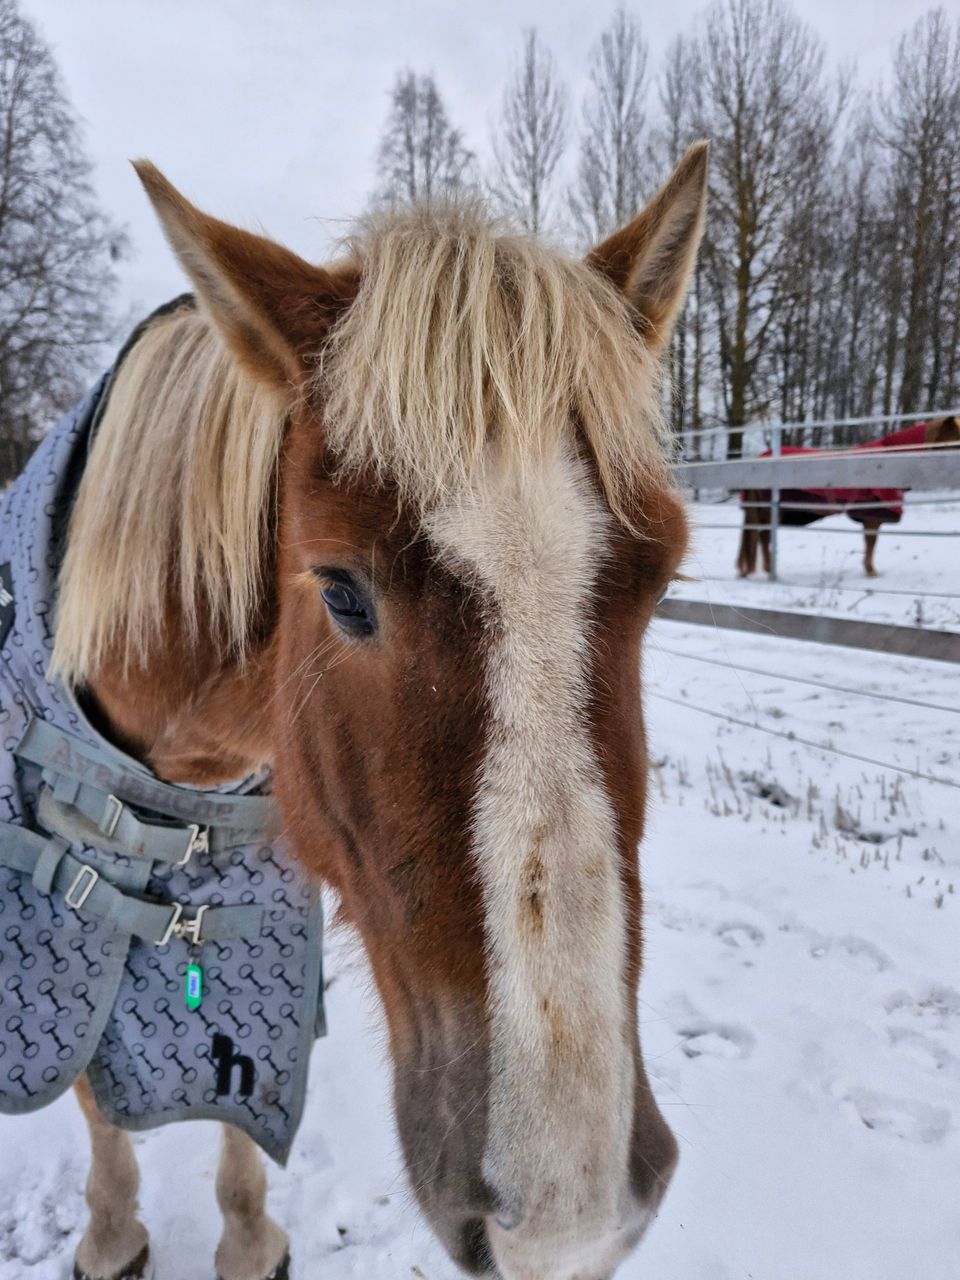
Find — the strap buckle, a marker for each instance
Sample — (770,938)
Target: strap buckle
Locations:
(198,837)
(112,813)
(199,842)
(188,930)
(82,887)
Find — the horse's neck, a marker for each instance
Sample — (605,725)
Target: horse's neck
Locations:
(188,715)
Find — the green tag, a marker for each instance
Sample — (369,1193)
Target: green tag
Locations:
(193,987)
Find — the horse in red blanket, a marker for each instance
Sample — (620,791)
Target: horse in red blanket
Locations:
(869,507)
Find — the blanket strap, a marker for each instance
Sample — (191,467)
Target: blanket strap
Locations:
(87,891)
(107,823)
(93,796)
(81,770)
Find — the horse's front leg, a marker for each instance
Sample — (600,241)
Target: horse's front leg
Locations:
(115,1244)
(252,1246)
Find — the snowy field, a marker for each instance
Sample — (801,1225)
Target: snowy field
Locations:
(800,1004)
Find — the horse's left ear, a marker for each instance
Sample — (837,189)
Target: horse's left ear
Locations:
(272,308)
(651,258)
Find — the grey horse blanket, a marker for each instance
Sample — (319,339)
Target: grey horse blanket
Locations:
(157,937)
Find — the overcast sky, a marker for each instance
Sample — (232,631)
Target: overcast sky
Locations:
(268,112)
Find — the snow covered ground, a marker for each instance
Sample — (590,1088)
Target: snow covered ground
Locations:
(801,999)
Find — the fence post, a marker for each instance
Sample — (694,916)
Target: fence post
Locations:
(775,500)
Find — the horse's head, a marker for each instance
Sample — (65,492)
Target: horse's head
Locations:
(945,431)
(474,524)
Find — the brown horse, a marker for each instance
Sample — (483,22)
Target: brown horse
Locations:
(869,508)
(396,527)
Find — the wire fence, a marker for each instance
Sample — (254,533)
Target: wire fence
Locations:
(808,680)
(796,739)
(765,431)
(789,735)
(804,528)
(867,592)
(835,508)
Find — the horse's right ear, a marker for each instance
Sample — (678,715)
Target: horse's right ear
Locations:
(272,308)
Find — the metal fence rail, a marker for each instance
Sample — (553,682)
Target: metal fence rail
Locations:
(933,468)
(912,642)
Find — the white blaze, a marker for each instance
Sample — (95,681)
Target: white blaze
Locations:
(562,1071)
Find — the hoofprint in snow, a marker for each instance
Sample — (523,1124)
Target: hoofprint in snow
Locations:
(800,1006)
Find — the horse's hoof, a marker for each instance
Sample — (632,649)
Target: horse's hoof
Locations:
(141,1268)
(280,1272)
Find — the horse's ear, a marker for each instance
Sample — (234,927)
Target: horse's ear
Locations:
(272,308)
(651,259)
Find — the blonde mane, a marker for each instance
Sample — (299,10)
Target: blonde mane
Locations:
(461,336)
(176,496)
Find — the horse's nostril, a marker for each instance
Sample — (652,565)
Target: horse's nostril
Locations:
(475,1255)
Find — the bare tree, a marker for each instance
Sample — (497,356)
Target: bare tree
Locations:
(422,157)
(671,135)
(56,247)
(762,92)
(610,176)
(531,135)
(919,125)
(859,286)
(803,356)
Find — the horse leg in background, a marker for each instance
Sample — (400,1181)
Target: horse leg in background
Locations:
(252,1246)
(870,532)
(763,515)
(115,1245)
(747,555)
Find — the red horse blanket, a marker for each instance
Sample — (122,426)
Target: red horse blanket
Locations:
(883,505)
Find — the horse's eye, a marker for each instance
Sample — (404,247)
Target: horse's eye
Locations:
(341,599)
(346,602)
